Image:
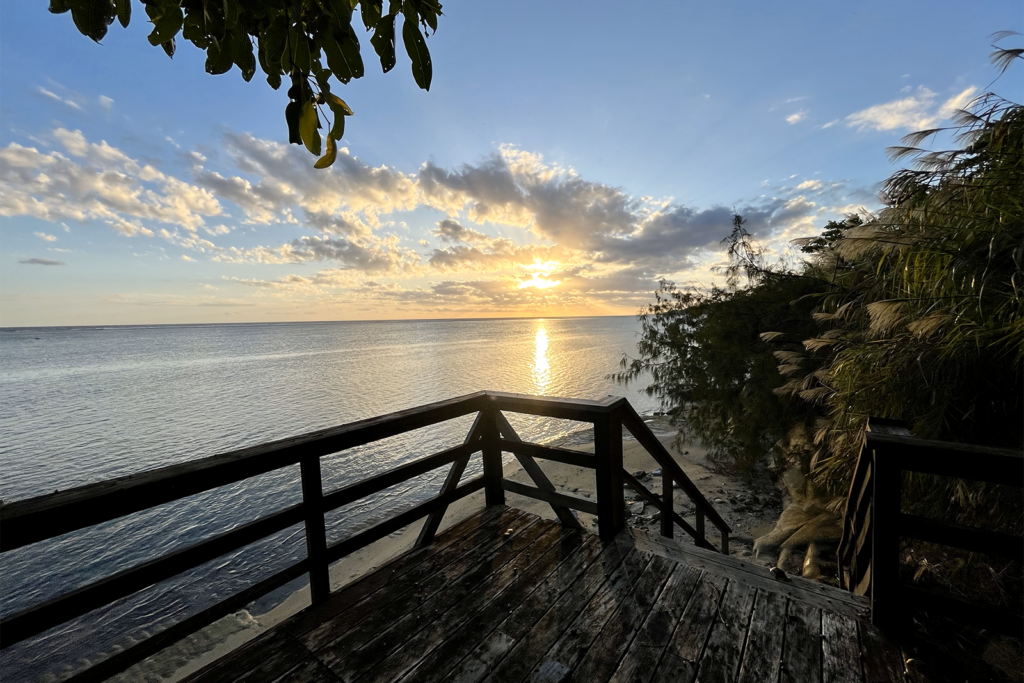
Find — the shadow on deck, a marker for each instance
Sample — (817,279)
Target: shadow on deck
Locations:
(508,596)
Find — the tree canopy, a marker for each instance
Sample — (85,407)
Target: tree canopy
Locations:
(305,43)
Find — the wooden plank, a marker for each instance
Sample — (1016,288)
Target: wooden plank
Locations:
(572,582)
(641,659)
(34,620)
(811,592)
(549,406)
(493,472)
(350,655)
(969,538)
(572,554)
(265,658)
(433,520)
(551,497)
(351,544)
(881,658)
(724,651)
(531,467)
(885,540)
(840,661)
(463,601)
(611,515)
(375,484)
(762,656)
(311,670)
(565,456)
(801,650)
(965,461)
(35,519)
(563,615)
(466,532)
(315,528)
(115,664)
(604,655)
(414,584)
(668,502)
(679,661)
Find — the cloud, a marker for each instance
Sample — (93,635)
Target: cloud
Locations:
(97,182)
(49,94)
(41,262)
(186,257)
(913,113)
(106,102)
(46,238)
(796,117)
(830,124)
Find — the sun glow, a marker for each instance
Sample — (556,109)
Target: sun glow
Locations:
(539,273)
(541,365)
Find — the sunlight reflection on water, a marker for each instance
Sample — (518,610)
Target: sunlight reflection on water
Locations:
(541,365)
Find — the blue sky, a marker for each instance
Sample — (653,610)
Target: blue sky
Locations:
(565,158)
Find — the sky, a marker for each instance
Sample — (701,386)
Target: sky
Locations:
(566,158)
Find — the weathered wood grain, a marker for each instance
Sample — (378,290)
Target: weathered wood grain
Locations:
(724,650)
(763,654)
(803,590)
(641,659)
(262,659)
(679,661)
(461,601)
(376,636)
(840,649)
(455,541)
(545,633)
(573,552)
(411,586)
(603,656)
(801,652)
(881,658)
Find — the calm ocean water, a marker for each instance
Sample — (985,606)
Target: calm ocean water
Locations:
(78,405)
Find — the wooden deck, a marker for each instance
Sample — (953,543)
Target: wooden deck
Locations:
(507,596)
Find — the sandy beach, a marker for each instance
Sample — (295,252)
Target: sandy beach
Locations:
(749,514)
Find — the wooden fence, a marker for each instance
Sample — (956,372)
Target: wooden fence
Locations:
(45,517)
(869,553)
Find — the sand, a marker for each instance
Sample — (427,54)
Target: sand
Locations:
(749,514)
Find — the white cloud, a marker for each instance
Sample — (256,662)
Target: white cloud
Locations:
(54,96)
(916,112)
(46,238)
(106,102)
(830,124)
(796,117)
(186,257)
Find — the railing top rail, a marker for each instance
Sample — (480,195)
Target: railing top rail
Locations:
(941,447)
(35,519)
(582,410)
(948,459)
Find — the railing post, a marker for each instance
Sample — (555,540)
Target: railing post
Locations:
(611,503)
(491,454)
(316,531)
(885,542)
(700,525)
(667,525)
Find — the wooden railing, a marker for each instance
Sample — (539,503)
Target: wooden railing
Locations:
(37,519)
(869,553)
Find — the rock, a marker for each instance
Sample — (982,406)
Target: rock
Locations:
(656,472)
(719,500)
(635,508)
(575,490)
(656,517)
(640,474)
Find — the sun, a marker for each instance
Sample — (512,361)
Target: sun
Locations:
(538,275)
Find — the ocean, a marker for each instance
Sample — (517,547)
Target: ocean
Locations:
(83,404)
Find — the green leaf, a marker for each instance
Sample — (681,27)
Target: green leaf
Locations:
(60,6)
(292,114)
(242,54)
(308,124)
(124,11)
(219,58)
(273,72)
(92,17)
(383,42)
(350,50)
(335,101)
(194,31)
(166,25)
(371,12)
(230,13)
(345,63)
(169,47)
(328,158)
(416,47)
(300,50)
